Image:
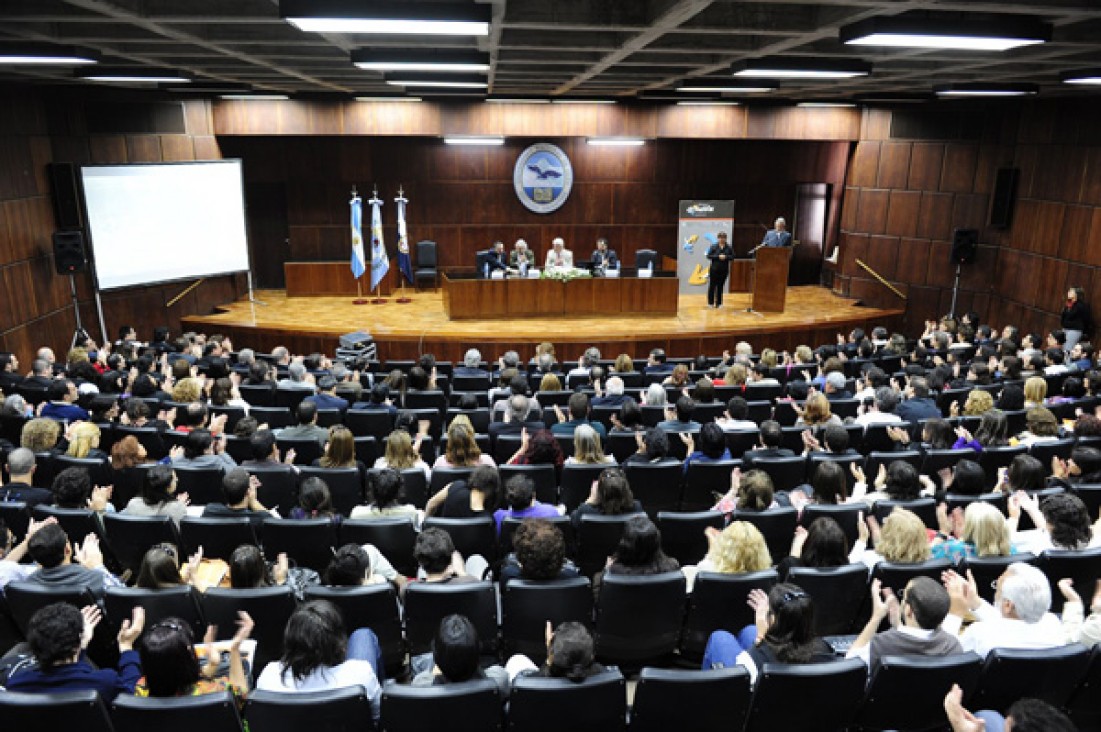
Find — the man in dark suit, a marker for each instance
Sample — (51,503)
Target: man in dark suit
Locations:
(516,419)
(604,258)
(497,257)
(772,436)
(613,395)
(777,237)
(472,365)
(9,371)
(834,387)
(41,375)
(657,363)
(918,405)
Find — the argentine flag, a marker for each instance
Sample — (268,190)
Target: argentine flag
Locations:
(359,261)
(405,265)
(380,263)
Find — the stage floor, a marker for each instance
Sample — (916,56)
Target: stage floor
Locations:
(304,324)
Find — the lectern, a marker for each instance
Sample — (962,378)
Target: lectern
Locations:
(770,279)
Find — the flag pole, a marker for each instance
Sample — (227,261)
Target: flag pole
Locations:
(403,241)
(378,299)
(359,300)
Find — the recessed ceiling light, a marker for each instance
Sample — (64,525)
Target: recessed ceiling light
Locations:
(825,105)
(395,18)
(980,89)
(800,68)
(962,31)
(132,75)
(1081,76)
(726,89)
(403,61)
(416,79)
(46,54)
(617,141)
(475,140)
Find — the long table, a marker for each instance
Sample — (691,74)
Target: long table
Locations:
(466,296)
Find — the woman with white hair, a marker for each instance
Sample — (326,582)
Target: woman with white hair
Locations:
(521,254)
(654,396)
(587,449)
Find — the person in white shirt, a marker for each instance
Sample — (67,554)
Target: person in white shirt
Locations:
(318,656)
(882,410)
(559,256)
(1018,619)
(11,554)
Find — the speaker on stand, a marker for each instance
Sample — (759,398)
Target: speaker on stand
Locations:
(965,245)
(69,260)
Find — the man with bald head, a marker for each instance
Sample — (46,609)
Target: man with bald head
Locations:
(779,236)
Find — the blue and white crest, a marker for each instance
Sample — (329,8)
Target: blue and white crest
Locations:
(542,178)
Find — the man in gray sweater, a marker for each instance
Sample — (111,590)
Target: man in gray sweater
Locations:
(915,624)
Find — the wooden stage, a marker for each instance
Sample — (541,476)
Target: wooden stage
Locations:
(814,315)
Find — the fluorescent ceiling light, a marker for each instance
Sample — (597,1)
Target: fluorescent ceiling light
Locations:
(46,54)
(516,100)
(255,97)
(963,32)
(403,61)
(388,99)
(209,87)
(135,74)
(474,140)
(707,103)
(979,89)
(1081,76)
(617,141)
(800,68)
(583,101)
(726,89)
(392,18)
(825,105)
(467,81)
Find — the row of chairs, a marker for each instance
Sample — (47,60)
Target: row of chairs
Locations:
(904,693)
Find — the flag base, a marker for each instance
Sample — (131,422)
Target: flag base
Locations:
(378,301)
(403,300)
(360,301)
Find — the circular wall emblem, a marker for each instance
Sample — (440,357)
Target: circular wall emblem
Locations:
(542,178)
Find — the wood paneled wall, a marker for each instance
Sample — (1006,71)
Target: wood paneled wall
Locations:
(463,198)
(37,128)
(915,176)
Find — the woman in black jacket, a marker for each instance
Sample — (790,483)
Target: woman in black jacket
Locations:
(1075,317)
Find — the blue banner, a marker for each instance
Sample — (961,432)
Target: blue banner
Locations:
(405,264)
(380,263)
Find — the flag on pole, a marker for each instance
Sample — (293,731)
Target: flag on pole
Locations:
(405,265)
(380,263)
(359,261)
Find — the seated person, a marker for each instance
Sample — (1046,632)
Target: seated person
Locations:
(496,258)
(454,658)
(579,414)
(915,624)
(679,418)
(603,257)
(439,562)
(11,554)
(520,498)
(521,254)
(539,553)
(239,496)
(172,669)
(58,635)
(353,565)
(471,498)
(570,655)
(558,256)
(49,547)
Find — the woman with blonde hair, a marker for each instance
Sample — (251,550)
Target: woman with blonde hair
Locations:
(623,364)
(187,390)
(550,382)
(978,403)
(984,533)
(1041,426)
(587,449)
(84,441)
(403,452)
(736,375)
(40,435)
(462,450)
(1035,392)
(768,358)
(340,452)
(817,412)
(679,377)
(902,540)
(737,549)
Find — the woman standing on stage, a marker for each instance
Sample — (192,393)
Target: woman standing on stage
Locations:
(1075,317)
(720,255)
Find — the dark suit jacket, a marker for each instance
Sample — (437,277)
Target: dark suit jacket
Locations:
(607,259)
(765,452)
(496,260)
(912,410)
(774,238)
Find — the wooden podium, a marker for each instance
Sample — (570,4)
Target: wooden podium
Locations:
(770,279)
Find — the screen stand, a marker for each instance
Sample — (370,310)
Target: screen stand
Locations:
(253,300)
(79,334)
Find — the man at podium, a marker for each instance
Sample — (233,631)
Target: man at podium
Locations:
(778,236)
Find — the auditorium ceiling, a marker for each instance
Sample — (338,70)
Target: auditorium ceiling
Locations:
(558,48)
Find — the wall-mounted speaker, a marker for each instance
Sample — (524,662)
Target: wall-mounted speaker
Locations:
(965,245)
(1005,195)
(66,195)
(69,252)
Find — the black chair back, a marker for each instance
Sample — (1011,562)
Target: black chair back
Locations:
(428,603)
(1050,674)
(987,570)
(576,484)
(83,710)
(718,602)
(682,534)
(470,535)
(202,485)
(597,704)
(273,417)
(468,706)
(543,476)
(993,459)
(638,617)
(16,517)
(838,594)
(776,524)
(597,540)
(369,423)
(527,606)
(131,536)
(307,542)
(668,699)
(847,516)
(829,696)
(705,483)
(77,522)
(345,485)
(656,487)
(278,486)
(925,508)
(171,602)
(258,395)
(369,606)
(897,576)
(335,710)
(215,712)
(96,468)
(1082,566)
(26,598)
(217,536)
(443,476)
(787,473)
(270,608)
(907,692)
(394,536)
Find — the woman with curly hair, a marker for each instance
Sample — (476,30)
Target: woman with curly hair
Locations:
(187,390)
(540,448)
(978,402)
(817,413)
(903,539)
(737,549)
(40,435)
(1062,519)
(539,553)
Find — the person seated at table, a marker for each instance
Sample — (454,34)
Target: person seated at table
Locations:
(521,254)
(559,256)
(497,257)
(603,257)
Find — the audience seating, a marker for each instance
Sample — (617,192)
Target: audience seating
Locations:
(838,594)
(208,712)
(394,536)
(443,476)
(667,699)
(270,608)
(16,517)
(682,534)
(799,697)
(218,537)
(278,487)
(468,706)
(345,486)
(70,710)
(576,484)
(987,570)
(1083,566)
(638,617)
(337,710)
(705,483)
(847,516)
(657,487)
(131,536)
(427,603)
(925,508)
(310,542)
(509,526)
(202,485)
(1051,674)
(470,535)
(718,602)
(527,606)
(544,477)
(369,606)
(776,524)
(918,685)
(597,540)
(76,522)
(597,704)
(170,602)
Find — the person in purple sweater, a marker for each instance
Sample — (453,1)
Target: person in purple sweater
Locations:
(520,497)
(58,635)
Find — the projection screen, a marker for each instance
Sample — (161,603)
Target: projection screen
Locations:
(161,222)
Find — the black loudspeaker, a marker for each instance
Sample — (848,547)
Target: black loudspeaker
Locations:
(66,196)
(1005,195)
(965,244)
(69,252)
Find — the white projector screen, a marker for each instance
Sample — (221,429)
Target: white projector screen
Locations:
(161,222)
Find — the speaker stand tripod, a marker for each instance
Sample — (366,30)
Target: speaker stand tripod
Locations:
(79,334)
(955,290)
